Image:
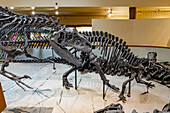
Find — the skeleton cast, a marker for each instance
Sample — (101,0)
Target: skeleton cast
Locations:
(116,58)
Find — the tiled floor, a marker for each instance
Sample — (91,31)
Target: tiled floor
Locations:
(49,96)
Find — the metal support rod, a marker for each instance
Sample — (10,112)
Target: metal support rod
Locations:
(104,90)
(129,92)
(75,75)
(53,59)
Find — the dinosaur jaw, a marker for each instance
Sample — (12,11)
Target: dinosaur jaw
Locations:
(80,48)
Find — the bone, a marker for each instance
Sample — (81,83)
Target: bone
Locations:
(131,58)
(115,47)
(107,46)
(100,41)
(6,11)
(106,34)
(8,24)
(103,45)
(90,33)
(119,54)
(110,47)
(7,18)
(83,32)
(119,48)
(97,38)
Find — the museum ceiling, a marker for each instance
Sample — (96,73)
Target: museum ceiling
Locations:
(74,11)
(84,15)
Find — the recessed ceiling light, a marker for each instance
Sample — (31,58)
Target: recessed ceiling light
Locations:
(33,12)
(109,11)
(56,7)
(32,7)
(56,12)
(11,7)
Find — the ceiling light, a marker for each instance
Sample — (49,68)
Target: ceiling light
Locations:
(11,7)
(56,12)
(33,12)
(109,15)
(56,7)
(139,12)
(32,7)
(109,11)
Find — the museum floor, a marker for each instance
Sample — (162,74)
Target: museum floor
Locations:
(49,96)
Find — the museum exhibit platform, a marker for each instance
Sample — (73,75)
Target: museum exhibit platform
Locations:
(116,54)
(49,96)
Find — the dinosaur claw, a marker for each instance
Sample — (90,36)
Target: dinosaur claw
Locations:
(68,88)
(151,85)
(122,98)
(69,85)
(66,84)
(26,76)
(114,88)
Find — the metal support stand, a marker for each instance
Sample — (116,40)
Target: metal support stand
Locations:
(129,92)
(53,59)
(75,75)
(104,90)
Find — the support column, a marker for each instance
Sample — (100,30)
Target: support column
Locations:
(132,12)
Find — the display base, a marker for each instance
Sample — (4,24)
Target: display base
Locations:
(50,96)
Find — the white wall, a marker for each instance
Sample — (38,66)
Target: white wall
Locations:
(154,32)
(149,32)
(120,28)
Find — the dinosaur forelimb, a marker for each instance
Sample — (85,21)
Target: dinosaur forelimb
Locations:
(149,85)
(66,83)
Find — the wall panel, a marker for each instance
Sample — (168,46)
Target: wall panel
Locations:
(152,14)
(151,32)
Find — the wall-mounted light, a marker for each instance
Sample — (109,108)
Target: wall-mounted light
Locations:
(33,12)
(56,12)
(56,7)
(11,7)
(32,7)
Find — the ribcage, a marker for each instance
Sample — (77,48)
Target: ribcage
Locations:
(112,50)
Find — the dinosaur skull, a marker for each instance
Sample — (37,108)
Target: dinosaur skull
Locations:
(68,37)
(152,59)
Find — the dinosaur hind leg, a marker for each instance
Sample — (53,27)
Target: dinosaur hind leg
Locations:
(104,79)
(149,85)
(121,96)
(66,83)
